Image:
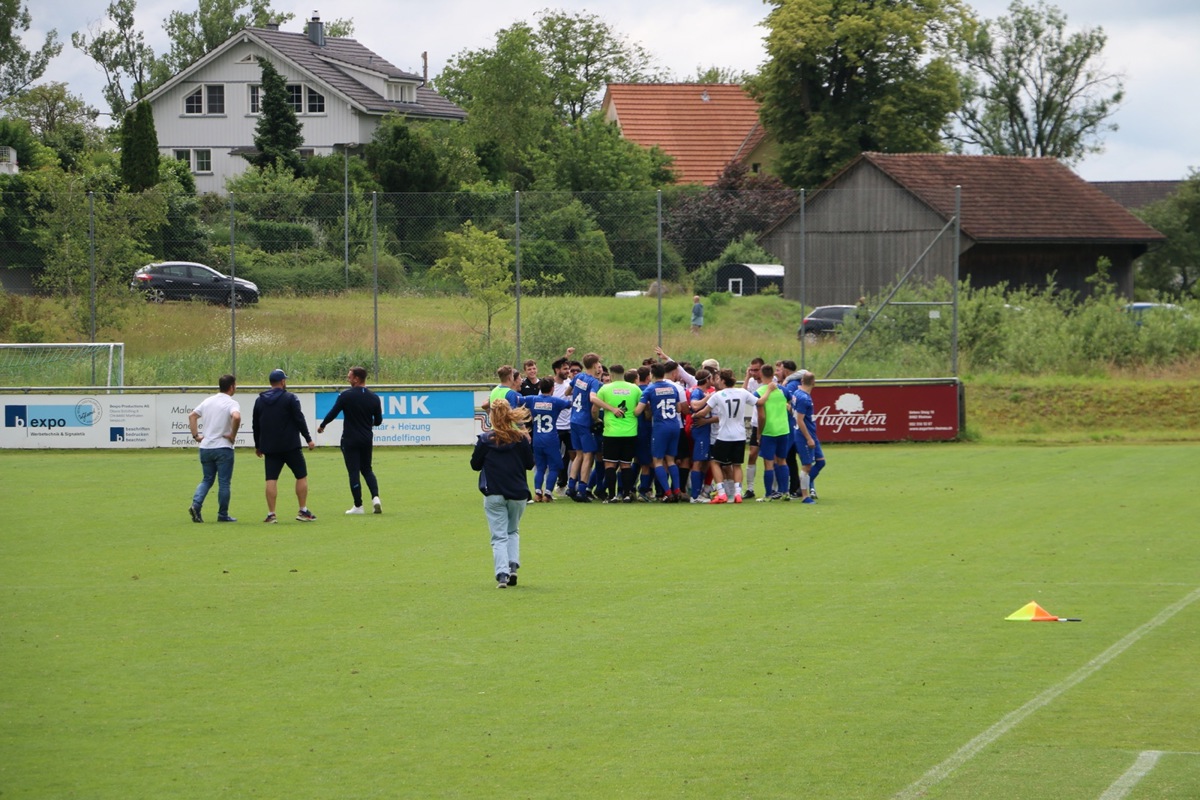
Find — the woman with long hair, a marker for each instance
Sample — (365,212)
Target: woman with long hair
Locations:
(503,457)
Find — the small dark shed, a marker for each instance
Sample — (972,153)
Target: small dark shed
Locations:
(741,279)
(1023,221)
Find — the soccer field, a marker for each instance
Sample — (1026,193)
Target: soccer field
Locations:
(856,648)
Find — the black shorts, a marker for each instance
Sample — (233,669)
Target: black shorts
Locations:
(754,436)
(621,449)
(294,459)
(728,453)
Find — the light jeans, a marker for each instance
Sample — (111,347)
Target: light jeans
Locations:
(504,519)
(217,466)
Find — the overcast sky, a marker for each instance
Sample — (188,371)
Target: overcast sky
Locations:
(1155,44)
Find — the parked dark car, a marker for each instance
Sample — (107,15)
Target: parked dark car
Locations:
(186,280)
(824,320)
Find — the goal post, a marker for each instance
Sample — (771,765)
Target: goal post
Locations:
(63,364)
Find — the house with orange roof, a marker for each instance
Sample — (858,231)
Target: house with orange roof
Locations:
(702,126)
(1022,222)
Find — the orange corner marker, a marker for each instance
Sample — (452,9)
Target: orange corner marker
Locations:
(1032,612)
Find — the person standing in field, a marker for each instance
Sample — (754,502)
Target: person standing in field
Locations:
(775,437)
(620,432)
(697,314)
(363,412)
(584,387)
(812,458)
(510,382)
(729,405)
(663,398)
(279,425)
(222,417)
(544,410)
(503,457)
(529,381)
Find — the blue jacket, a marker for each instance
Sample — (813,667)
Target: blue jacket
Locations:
(278,422)
(502,468)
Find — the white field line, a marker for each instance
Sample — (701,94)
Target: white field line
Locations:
(1123,785)
(1013,718)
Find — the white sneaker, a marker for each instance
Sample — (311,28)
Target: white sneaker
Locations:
(378,506)
(356,510)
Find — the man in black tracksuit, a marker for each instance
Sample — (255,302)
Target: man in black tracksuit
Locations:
(362,411)
(278,426)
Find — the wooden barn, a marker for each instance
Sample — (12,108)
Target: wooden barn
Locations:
(743,279)
(1023,220)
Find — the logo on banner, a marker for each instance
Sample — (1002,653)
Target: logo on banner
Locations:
(116,434)
(852,413)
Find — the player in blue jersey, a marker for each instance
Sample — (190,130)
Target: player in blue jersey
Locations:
(544,409)
(812,458)
(584,387)
(662,400)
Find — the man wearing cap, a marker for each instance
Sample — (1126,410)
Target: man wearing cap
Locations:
(278,425)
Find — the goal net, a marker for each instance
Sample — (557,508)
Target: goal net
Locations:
(47,365)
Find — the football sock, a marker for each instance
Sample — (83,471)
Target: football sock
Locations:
(660,474)
(750,470)
(673,470)
(768,481)
(697,483)
(817,466)
(782,479)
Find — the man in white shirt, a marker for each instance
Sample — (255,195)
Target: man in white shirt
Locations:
(729,405)
(222,417)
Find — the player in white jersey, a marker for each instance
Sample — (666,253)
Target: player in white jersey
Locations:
(729,405)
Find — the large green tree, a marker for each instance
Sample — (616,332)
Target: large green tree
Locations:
(277,136)
(848,76)
(131,69)
(581,54)
(195,33)
(20,67)
(61,121)
(403,161)
(507,96)
(1032,89)
(1173,268)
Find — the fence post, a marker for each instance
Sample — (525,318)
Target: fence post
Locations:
(375,262)
(659,224)
(92,271)
(517,240)
(803,279)
(954,306)
(233,296)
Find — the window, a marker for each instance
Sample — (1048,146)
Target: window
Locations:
(203,160)
(184,155)
(194,102)
(302,99)
(316,102)
(402,93)
(216,99)
(206,100)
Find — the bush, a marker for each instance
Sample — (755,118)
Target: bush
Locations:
(553,326)
(279,237)
(625,280)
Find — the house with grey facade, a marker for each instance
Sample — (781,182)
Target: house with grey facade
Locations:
(1023,222)
(340,90)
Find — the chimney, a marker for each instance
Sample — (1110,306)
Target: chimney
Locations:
(425,71)
(316,30)
(272,25)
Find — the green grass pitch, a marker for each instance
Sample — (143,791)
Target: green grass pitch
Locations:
(850,649)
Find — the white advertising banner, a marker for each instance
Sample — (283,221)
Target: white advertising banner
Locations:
(161,420)
(60,421)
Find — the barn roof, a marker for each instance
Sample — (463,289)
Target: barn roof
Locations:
(703,126)
(1008,198)
(1137,194)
